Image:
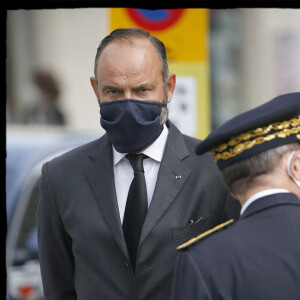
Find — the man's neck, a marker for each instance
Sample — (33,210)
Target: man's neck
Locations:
(252,191)
(275,180)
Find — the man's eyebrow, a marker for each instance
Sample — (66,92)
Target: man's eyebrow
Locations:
(109,87)
(146,85)
(114,87)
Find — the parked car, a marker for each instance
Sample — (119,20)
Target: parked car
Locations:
(26,151)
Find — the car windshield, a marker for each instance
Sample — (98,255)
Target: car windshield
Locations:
(26,151)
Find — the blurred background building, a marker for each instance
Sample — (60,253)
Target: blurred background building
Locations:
(226,62)
(253,55)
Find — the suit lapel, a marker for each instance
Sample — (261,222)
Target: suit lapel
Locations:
(100,177)
(172,176)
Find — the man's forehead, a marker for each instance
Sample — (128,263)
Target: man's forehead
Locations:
(128,53)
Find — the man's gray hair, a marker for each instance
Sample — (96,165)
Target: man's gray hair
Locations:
(241,175)
(126,34)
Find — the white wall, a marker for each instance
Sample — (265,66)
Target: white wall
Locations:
(271,60)
(65,42)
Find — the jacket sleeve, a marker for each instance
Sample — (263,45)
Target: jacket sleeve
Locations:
(188,282)
(55,246)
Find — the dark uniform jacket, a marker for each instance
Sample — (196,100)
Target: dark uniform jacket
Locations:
(83,253)
(257,258)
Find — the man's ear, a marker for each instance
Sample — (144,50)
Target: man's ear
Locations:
(94,85)
(171,85)
(295,165)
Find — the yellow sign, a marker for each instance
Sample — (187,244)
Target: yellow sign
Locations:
(191,99)
(183,31)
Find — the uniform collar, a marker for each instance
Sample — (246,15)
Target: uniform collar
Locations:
(271,200)
(260,195)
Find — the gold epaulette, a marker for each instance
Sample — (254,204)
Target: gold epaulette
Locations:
(202,235)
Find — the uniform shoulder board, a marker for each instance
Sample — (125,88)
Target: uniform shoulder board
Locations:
(202,235)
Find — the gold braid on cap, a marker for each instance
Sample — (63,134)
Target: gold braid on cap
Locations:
(242,142)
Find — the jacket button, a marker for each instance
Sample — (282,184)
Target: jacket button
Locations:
(127,265)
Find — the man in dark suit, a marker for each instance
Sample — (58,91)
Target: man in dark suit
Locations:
(97,240)
(257,257)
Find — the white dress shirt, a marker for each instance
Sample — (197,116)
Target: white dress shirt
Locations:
(260,195)
(124,173)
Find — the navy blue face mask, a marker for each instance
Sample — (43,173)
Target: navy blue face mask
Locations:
(131,125)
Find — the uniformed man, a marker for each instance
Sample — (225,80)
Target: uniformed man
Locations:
(257,257)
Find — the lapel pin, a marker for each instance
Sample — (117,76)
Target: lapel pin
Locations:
(178,177)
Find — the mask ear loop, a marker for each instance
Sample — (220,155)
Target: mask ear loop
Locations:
(162,105)
(288,166)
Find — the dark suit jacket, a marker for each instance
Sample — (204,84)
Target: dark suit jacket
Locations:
(257,258)
(82,250)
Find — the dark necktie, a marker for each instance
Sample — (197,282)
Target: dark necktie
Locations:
(136,206)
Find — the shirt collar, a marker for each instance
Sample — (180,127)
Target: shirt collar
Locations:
(260,195)
(155,151)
